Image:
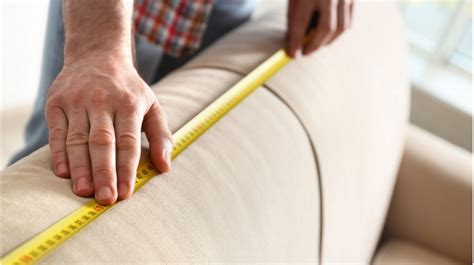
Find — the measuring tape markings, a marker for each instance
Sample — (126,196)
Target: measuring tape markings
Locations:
(51,238)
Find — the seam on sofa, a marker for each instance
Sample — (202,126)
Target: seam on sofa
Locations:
(318,168)
(313,146)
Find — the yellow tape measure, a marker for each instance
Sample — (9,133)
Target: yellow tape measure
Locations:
(51,238)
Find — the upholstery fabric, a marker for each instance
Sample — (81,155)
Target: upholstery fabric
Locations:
(395,252)
(249,189)
(353,99)
(432,200)
(245,192)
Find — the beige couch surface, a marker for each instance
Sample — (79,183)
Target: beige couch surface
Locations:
(249,190)
(352,98)
(396,252)
(431,205)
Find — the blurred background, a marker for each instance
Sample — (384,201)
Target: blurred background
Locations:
(439,33)
(440,38)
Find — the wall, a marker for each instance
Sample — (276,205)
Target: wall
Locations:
(22,31)
(440,118)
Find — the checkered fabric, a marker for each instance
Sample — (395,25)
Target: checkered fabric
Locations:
(176,26)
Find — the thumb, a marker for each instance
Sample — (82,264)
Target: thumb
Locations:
(159,136)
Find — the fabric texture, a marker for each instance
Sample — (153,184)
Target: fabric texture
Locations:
(315,150)
(353,99)
(432,200)
(244,192)
(177,26)
(396,252)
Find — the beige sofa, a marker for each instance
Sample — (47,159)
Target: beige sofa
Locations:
(430,221)
(302,171)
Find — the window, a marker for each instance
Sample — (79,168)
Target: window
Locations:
(440,37)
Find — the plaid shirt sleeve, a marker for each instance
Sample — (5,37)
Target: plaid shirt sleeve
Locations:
(177,26)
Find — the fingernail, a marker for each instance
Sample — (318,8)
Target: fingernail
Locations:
(124,189)
(82,184)
(104,193)
(167,157)
(62,169)
(167,153)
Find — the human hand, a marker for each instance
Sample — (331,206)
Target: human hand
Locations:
(335,17)
(95,110)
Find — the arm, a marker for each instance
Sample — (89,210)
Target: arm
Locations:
(98,105)
(98,29)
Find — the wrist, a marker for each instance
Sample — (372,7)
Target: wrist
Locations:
(105,63)
(75,53)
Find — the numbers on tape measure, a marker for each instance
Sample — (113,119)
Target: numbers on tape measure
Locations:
(54,236)
(85,218)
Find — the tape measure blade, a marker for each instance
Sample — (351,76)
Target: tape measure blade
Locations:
(197,126)
(51,238)
(54,236)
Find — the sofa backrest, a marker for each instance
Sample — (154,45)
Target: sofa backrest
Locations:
(305,164)
(352,99)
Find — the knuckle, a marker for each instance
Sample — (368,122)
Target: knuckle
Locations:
(128,100)
(76,100)
(58,155)
(168,140)
(131,110)
(101,136)
(164,137)
(167,136)
(57,134)
(104,175)
(77,138)
(99,98)
(126,170)
(127,141)
(52,103)
(80,170)
(52,107)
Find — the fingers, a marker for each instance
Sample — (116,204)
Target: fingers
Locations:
(344,18)
(326,27)
(351,10)
(299,14)
(102,155)
(156,129)
(57,124)
(127,131)
(78,153)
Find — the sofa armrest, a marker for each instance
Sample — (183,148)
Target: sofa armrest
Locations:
(431,203)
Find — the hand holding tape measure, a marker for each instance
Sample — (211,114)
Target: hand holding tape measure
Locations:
(51,238)
(54,236)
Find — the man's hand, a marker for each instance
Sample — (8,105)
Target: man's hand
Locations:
(95,112)
(335,17)
(98,105)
